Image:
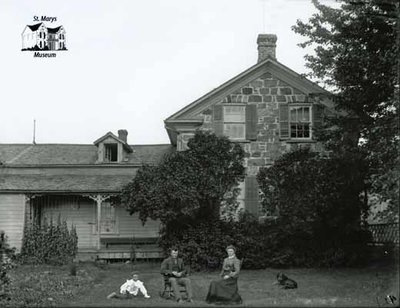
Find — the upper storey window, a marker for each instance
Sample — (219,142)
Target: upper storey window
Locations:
(300,122)
(235,122)
(110,152)
(297,121)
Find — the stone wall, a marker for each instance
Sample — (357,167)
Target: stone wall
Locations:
(267,92)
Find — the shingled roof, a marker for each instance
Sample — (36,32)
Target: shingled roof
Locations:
(69,168)
(65,183)
(74,154)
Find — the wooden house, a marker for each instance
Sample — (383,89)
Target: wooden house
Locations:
(79,183)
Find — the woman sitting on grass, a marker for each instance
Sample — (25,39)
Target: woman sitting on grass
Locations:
(225,290)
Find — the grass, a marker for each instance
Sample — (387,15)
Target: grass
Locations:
(365,287)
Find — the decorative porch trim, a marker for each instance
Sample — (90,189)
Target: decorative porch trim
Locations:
(99,199)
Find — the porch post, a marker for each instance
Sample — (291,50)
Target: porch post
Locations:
(28,210)
(99,200)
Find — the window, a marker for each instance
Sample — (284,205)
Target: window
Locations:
(111,152)
(235,122)
(297,121)
(238,122)
(300,121)
(183,140)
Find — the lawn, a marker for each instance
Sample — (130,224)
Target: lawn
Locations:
(365,287)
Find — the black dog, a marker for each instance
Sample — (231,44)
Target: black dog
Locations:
(285,281)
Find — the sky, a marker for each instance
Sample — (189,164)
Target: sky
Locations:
(131,64)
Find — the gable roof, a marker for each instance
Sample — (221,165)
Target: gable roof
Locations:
(53,30)
(111,135)
(268,65)
(35,27)
(74,154)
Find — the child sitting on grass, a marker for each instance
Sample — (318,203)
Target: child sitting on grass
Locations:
(130,288)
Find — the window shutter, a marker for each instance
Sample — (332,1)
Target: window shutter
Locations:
(251,122)
(251,196)
(318,115)
(218,120)
(284,121)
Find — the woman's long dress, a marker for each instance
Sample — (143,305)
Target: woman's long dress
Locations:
(225,291)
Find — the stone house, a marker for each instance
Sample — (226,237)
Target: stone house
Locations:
(268,108)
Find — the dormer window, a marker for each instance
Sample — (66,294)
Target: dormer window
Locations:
(110,152)
(113,149)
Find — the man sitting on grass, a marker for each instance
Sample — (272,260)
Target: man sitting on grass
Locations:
(130,288)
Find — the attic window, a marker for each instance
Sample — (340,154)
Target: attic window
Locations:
(111,152)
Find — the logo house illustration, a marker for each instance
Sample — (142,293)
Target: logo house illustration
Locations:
(38,37)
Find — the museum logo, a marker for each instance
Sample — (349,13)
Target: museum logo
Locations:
(42,40)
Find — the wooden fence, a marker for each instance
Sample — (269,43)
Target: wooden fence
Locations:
(386,233)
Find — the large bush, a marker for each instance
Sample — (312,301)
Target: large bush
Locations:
(319,205)
(7,256)
(188,186)
(48,243)
(203,245)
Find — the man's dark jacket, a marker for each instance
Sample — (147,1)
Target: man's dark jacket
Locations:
(167,265)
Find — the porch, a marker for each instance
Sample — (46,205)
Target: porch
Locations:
(105,229)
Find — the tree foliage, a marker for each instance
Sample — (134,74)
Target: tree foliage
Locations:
(357,56)
(319,207)
(187,185)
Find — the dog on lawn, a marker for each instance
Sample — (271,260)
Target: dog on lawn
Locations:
(285,282)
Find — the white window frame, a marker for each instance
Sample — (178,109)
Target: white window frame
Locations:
(182,144)
(309,122)
(232,120)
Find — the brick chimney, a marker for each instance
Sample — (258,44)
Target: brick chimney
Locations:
(266,46)
(123,135)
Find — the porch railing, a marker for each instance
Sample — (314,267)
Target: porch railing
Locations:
(385,233)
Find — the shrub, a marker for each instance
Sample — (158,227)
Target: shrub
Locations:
(319,207)
(48,243)
(203,245)
(7,256)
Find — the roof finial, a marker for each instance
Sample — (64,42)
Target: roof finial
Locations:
(34,131)
(263,14)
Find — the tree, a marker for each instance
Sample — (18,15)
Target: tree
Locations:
(357,57)
(188,185)
(317,201)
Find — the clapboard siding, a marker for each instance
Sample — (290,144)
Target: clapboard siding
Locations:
(12,214)
(131,225)
(82,216)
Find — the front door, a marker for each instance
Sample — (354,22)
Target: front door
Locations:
(108,219)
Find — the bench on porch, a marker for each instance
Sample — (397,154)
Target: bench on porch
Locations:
(130,248)
(133,241)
